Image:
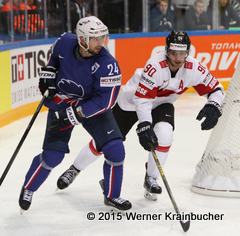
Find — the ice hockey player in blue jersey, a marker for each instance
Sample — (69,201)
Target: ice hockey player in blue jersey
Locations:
(83,81)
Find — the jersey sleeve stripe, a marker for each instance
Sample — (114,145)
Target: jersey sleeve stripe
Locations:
(110,103)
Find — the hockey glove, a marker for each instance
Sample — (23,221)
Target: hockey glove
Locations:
(48,81)
(212,111)
(64,119)
(146,135)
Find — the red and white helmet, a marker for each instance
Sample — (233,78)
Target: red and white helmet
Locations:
(90,26)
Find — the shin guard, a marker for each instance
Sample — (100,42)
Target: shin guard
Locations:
(113,168)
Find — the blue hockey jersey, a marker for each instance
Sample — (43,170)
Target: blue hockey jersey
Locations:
(92,84)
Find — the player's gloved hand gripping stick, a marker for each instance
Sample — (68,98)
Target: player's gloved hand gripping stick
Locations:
(147,135)
(65,118)
(47,81)
(24,137)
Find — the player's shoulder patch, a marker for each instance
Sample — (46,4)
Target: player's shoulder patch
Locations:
(95,67)
(163,64)
(188,65)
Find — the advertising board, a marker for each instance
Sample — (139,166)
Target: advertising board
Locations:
(20,64)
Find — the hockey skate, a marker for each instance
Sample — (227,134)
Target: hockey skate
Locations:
(116,204)
(151,188)
(67,177)
(25,199)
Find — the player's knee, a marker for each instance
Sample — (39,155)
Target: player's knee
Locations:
(164,132)
(114,152)
(51,158)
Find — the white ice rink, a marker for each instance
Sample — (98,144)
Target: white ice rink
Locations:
(65,212)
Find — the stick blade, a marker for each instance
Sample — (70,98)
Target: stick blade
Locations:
(185,225)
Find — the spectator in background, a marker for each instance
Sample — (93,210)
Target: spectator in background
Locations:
(78,9)
(196,18)
(228,16)
(56,17)
(172,7)
(161,19)
(30,5)
(16,5)
(35,24)
(17,18)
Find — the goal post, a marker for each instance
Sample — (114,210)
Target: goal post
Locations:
(218,171)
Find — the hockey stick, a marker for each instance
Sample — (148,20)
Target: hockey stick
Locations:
(185,225)
(23,137)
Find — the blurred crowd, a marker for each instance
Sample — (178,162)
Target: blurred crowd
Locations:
(163,15)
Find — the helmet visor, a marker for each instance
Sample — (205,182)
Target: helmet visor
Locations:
(177,55)
(100,40)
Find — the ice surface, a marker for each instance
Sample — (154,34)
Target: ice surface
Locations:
(58,213)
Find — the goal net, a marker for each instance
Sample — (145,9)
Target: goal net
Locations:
(218,171)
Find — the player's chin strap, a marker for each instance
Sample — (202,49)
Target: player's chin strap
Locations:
(86,49)
(169,60)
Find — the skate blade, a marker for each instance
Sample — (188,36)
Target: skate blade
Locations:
(22,211)
(150,196)
(113,210)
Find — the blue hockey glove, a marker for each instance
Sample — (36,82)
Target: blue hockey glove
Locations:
(146,135)
(64,119)
(48,81)
(212,111)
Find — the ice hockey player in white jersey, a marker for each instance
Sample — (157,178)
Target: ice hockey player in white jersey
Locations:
(148,97)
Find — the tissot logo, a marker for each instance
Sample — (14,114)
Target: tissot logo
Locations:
(27,65)
(110,81)
(17,68)
(148,81)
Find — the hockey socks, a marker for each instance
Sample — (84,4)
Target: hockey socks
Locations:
(86,156)
(114,154)
(113,180)
(41,167)
(36,175)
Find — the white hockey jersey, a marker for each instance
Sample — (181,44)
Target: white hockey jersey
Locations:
(151,86)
